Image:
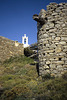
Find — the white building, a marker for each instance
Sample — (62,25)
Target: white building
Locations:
(25,41)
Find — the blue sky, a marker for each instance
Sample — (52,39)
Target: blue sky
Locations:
(16,18)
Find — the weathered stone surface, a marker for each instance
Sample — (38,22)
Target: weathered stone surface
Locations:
(64,38)
(45,35)
(52,40)
(62,42)
(58,49)
(9,48)
(57,38)
(59,66)
(52,30)
(51,25)
(48,62)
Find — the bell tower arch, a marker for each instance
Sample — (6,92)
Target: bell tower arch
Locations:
(25,41)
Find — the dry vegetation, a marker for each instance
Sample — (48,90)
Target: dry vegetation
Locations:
(19,81)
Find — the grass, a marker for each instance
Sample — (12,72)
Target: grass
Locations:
(19,81)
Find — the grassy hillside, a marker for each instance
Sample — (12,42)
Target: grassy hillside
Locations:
(19,81)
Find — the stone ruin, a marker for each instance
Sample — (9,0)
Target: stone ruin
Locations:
(52,39)
(9,48)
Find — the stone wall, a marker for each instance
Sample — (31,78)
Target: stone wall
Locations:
(52,39)
(9,48)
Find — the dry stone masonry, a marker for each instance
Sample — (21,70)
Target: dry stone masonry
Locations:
(9,48)
(52,39)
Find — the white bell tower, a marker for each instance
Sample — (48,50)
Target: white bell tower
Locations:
(25,41)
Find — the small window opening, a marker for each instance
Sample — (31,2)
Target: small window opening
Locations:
(46,18)
(48,53)
(24,41)
(40,44)
(59,59)
(42,29)
(58,5)
(48,64)
(54,23)
(44,54)
(53,51)
(44,44)
(51,7)
(54,9)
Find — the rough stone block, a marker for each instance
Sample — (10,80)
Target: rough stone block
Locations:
(48,62)
(46,67)
(57,38)
(65,65)
(53,66)
(59,62)
(55,71)
(52,30)
(58,49)
(62,42)
(48,71)
(62,54)
(57,25)
(64,38)
(45,35)
(47,45)
(45,42)
(55,14)
(50,51)
(59,66)
(51,25)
